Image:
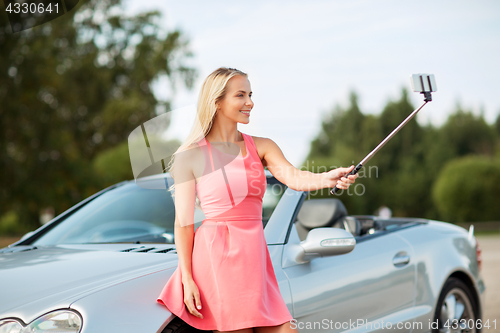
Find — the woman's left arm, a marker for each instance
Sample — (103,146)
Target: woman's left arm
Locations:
(300,180)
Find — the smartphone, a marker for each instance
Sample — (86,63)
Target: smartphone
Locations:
(423,83)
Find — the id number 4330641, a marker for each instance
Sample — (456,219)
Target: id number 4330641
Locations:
(469,324)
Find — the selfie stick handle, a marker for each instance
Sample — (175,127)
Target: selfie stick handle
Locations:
(374,151)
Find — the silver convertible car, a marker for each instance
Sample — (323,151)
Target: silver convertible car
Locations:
(100,266)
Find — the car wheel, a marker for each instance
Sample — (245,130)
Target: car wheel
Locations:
(456,311)
(179,326)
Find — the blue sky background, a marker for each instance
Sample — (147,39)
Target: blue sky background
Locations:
(304,57)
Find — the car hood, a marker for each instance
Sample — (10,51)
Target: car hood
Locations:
(48,277)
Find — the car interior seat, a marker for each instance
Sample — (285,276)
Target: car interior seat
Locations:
(321,213)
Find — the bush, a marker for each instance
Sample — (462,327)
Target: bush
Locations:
(468,189)
(10,225)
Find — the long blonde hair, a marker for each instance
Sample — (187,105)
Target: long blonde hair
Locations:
(213,90)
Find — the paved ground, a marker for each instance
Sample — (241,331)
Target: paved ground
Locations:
(490,246)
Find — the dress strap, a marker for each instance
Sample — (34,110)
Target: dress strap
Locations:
(250,143)
(209,153)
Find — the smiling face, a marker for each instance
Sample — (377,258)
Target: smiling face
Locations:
(237,102)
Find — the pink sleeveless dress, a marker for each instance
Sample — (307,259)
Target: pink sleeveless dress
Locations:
(230,262)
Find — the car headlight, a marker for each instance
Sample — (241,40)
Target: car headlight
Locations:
(10,326)
(59,321)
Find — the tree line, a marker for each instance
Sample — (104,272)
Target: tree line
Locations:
(450,172)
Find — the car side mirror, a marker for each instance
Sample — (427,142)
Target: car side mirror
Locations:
(322,242)
(27,235)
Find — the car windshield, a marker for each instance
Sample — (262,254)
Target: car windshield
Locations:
(132,214)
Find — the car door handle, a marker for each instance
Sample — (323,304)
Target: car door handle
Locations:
(401,259)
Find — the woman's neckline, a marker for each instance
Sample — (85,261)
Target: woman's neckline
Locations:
(244,143)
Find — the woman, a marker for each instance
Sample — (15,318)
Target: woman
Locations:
(225,280)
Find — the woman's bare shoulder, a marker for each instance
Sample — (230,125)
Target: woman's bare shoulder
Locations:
(264,146)
(262,140)
(263,143)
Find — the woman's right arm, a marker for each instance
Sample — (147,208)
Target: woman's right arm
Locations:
(184,232)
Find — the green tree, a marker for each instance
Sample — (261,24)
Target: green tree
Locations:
(464,133)
(497,135)
(403,177)
(497,126)
(72,91)
(408,141)
(340,132)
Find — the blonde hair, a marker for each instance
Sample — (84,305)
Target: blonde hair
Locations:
(213,90)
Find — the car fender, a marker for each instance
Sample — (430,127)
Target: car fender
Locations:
(129,307)
(441,250)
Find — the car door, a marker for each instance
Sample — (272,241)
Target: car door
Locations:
(369,289)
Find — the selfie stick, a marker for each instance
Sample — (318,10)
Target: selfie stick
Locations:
(423,83)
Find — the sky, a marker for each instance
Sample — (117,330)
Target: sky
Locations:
(305,57)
